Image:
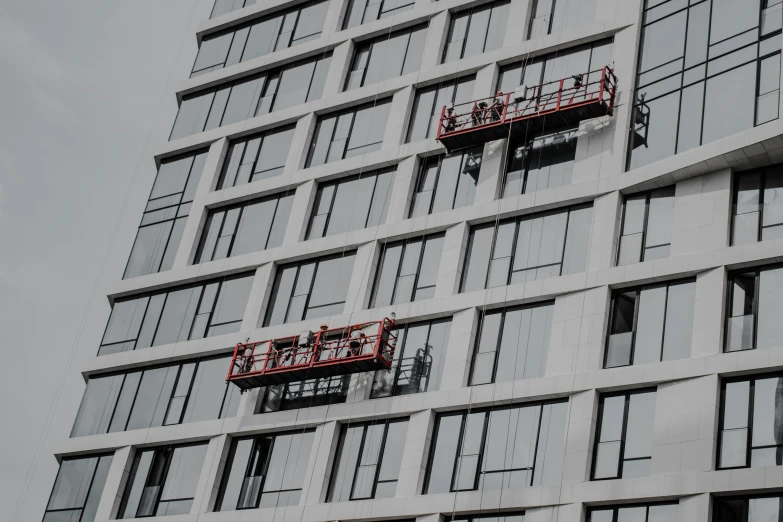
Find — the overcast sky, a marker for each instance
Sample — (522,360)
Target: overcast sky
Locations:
(86,96)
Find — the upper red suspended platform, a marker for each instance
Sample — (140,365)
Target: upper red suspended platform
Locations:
(325,353)
(529,110)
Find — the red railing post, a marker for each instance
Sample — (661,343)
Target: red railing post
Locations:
(440,125)
(603,83)
(505,108)
(559,95)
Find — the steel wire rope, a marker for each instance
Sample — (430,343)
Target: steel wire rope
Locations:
(19,506)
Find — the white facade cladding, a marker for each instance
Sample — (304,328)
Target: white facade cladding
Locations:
(589,316)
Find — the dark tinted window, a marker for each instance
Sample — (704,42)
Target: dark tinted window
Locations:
(498,449)
(553,16)
(77,489)
(705,71)
(259,157)
(165,215)
(476,30)
(528,248)
(259,37)
(306,394)
(747,509)
(541,163)
(251,226)
(650,324)
(754,309)
(364,11)
(162,481)
(646,232)
(240,100)
(351,203)
(751,423)
(663,512)
(160,396)
(265,471)
(349,133)
(623,444)
(368,461)
(758,206)
(447,181)
(418,360)
(408,270)
(512,344)
(505,517)
(429,103)
(386,57)
(310,289)
(191,312)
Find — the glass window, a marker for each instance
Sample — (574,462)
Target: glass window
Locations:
(705,71)
(351,203)
(294,83)
(418,361)
(476,30)
(158,396)
(180,314)
(349,133)
(757,212)
(162,481)
(447,181)
(251,226)
(528,248)
(368,460)
(747,509)
(623,444)
(430,101)
(501,448)
(77,489)
(659,512)
(258,37)
(754,309)
(386,57)
(751,422)
(553,16)
(504,517)
(541,163)
(265,471)
(650,324)
(408,270)
(164,217)
(646,232)
(365,11)
(512,344)
(306,394)
(310,289)
(255,158)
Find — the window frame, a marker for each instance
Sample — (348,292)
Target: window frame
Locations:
(645,225)
(381,13)
(482,452)
(616,507)
(624,436)
(763,175)
(224,171)
(732,274)
(453,15)
(454,83)
(369,46)
(638,290)
(81,509)
(426,162)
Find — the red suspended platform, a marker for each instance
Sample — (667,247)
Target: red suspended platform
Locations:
(330,351)
(529,110)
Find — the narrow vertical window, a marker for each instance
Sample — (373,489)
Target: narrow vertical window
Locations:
(646,232)
(754,310)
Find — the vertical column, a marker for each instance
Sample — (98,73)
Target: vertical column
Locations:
(516,28)
(333,19)
(364,265)
(604,232)
(319,467)
(398,113)
(452,260)
(493,162)
(702,213)
(436,40)
(304,197)
(708,313)
(117,478)
(582,419)
(576,339)
(259,297)
(414,454)
(486,81)
(456,364)
(338,70)
(303,134)
(198,217)
(209,479)
(696,507)
(401,197)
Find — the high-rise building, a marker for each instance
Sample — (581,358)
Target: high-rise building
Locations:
(558,225)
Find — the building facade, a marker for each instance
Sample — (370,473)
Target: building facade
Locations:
(303,184)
